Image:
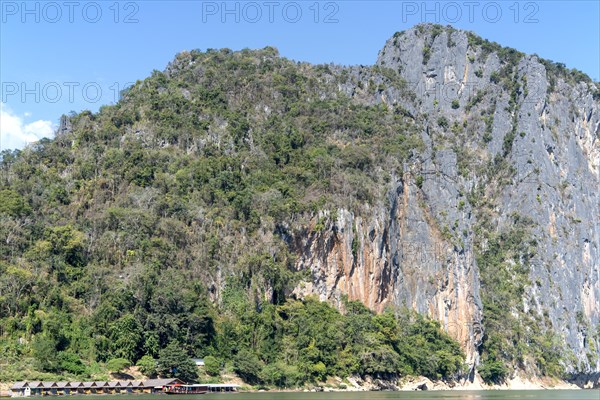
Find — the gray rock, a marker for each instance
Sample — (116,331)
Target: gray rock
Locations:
(416,249)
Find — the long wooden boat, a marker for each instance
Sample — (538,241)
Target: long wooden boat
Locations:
(185,389)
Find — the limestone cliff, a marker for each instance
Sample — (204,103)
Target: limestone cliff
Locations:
(500,125)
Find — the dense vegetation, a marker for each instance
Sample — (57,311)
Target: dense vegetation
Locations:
(116,235)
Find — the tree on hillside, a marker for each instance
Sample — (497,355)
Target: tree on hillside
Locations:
(248,367)
(173,362)
(212,366)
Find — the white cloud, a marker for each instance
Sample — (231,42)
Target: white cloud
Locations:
(15,133)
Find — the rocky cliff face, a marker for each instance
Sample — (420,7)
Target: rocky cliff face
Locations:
(511,128)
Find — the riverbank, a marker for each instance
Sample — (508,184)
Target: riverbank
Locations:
(516,383)
(423,383)
(357,384)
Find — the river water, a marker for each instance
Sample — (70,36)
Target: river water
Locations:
(427,395)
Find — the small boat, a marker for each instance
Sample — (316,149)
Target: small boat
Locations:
(185,389)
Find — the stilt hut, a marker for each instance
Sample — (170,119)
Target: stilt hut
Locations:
(36,387)
(62,388)
(89,388)
(76,388)
(132,387)
(20,389)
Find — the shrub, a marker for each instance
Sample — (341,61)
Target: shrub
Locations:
(493,371)
(212,366)
(71,363)
(147,365)
(419,181)
(247,365)
(13,204)
(495,77)
(443,122)
(117,365)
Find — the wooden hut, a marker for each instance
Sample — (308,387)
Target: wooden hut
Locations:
(35,387)
(132,387)
(62,388)
(89,388)
(20,389)
(49,388)
(115,387)
(76,388)
(102,387)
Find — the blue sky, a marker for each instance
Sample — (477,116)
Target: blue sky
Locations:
(58,56)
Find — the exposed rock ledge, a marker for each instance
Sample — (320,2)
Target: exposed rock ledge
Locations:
(423,383)
(587,381)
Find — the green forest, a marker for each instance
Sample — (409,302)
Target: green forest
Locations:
(113,234)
